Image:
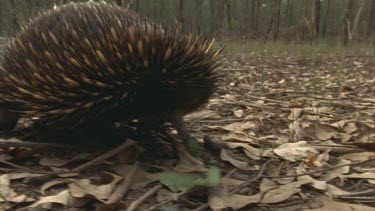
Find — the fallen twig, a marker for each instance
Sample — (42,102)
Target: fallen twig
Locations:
(127,144)
(123,187)
(149,193)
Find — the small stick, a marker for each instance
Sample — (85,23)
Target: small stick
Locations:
(22,168)
(31,145)
(149,193)
(100,158)
(322,170)
(123,187)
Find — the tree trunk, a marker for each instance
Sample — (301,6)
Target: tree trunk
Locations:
(229,16)
(371,22)
(270,27)
(277,19)
(3,21)
(137,6)
(213,15)
(180,14)
(303,19)
(251,15)
(217,11)
(287,12)
(332,22)
(355,22)
(326,18)
(161,10)
(29,7)
(346,22)
(257,16)
(316,16)
(197,15)
(118,2)
(290,17)
(15,25)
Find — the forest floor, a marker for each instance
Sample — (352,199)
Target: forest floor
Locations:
(285,132)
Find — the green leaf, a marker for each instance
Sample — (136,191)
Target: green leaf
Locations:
(212,179)
(182,181)
(193,145)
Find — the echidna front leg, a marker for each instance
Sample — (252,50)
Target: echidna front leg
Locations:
(187,160)
(179,124)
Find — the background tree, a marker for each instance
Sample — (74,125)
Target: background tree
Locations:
(289,20)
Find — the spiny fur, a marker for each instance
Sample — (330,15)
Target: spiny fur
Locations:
(86,61)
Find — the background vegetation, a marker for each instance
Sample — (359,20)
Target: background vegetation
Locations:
(297,21)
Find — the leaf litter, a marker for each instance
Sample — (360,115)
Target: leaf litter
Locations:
(284,134)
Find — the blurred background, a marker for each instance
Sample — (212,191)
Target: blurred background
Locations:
(243,24)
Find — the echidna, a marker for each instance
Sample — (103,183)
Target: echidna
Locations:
(85,63)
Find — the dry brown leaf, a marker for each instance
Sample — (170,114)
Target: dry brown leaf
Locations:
(216,196)
(324,132)
(236,127)
(141,178)
(350,127)
(267,184)
(219,199)
(271,195)
(230,183)
(318,110)
(8,194)
(295,113)
(63,198)
(360,156)
(5,189)
(335,191)
(370,176)
(317,184)
(83,187)
(295,151)
(238,138)
(330,205)
(358,64)
(203,114)
(319,160)
(5,157)
(237,163)
(282,192)
(251,152)
(344,137)
(274,170)
(19,199)
(340,124)
(10,140)
(286,180)
(14,176)
(229,97)
(296,129)
(58,162)
(338,172)
(164,194)
(238,113)
(49,184)
(53,161)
